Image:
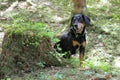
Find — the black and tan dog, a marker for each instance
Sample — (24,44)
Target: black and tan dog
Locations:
(75,38)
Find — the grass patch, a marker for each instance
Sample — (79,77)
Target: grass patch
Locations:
(98,65)
(74,62)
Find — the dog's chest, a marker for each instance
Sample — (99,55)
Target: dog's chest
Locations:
(75,43)
(78,41)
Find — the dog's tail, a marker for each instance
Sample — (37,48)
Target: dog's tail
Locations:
(56,47)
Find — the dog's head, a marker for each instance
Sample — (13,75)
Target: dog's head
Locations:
(79,21)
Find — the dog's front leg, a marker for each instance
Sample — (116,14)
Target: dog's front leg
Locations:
(82,52)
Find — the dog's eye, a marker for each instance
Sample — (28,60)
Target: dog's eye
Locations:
(74,18)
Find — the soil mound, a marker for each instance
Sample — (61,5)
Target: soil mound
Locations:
(25,53)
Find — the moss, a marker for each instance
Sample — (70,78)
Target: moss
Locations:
(24,46)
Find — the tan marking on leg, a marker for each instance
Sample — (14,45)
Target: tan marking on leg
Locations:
(76,43)
(81,58)
(83,44)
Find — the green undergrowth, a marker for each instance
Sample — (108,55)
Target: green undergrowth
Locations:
(37,29)
(22,25)
(97,65)
(31,31)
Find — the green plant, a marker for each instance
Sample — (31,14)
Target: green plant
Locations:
(58,76)
(41,64)
(98,65)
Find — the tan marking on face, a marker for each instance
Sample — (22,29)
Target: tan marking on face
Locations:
(80,27)
(76,43)
(83,44)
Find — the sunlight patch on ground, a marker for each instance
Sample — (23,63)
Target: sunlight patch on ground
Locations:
(118,48)
(98,53)
(104,3)
(100,4)
(42,2)
(57,18)
(117,62)
(1,38)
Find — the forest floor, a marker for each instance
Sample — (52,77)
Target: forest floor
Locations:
(102,56)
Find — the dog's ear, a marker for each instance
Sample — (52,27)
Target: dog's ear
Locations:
(87,20)
(71,23)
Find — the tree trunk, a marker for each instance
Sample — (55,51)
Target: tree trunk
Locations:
(79,6)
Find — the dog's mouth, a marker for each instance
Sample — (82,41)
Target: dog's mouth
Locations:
(79,28)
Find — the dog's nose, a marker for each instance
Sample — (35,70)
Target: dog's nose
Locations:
(75,25)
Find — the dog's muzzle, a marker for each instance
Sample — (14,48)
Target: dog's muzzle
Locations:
(78,27)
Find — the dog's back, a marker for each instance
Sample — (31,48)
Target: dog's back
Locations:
(64,43)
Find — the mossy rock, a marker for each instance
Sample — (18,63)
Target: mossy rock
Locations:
(26,51)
